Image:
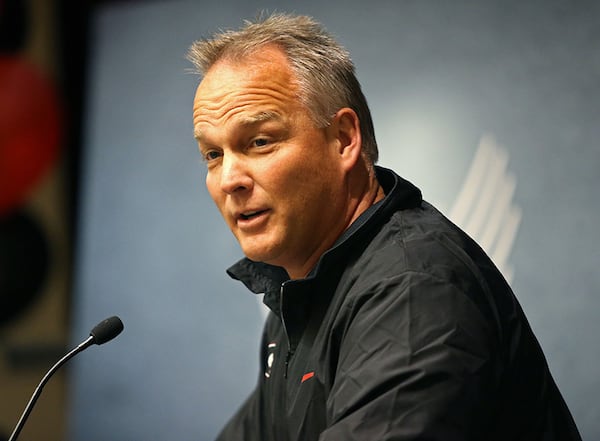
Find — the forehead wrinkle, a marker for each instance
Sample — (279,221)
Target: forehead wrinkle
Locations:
(244,93)
(280,92)
(241,111)
(248,120)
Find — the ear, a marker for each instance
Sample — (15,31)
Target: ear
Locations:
(345,128)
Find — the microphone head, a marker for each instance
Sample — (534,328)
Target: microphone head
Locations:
(106,330)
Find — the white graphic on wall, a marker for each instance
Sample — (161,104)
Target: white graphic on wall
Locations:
(484,207)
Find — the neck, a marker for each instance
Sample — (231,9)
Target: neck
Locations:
(367,192)
(363,191)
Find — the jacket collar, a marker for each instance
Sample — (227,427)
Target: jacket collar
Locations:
(262,278)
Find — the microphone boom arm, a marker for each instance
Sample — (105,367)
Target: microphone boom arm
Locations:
(83,345)
(102,333)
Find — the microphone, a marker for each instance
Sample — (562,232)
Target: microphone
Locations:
(102,333)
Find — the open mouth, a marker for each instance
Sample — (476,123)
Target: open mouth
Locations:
(251,214)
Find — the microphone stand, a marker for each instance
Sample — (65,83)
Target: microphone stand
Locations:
(83,345)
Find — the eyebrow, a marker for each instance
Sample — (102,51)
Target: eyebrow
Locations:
(260,117)
(249,120)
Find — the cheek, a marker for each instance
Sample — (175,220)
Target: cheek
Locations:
(301,190)
(212,185)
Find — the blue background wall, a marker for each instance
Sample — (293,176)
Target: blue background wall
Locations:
(439,77)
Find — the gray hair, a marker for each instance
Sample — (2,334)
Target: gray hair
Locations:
(323,68)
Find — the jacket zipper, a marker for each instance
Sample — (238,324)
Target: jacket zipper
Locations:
(290,352)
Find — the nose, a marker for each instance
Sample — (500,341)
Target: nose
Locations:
(235,175)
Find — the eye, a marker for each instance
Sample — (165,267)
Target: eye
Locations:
(260,142)
(211,155)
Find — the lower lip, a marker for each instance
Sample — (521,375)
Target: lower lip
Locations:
(254,222)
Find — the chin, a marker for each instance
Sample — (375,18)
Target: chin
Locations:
(264,254)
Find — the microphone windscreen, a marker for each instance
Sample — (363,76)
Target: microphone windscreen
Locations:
(106,330)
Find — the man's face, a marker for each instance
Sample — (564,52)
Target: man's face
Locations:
(275,177)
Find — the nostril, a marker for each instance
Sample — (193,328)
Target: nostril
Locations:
(238,189)
(236,184)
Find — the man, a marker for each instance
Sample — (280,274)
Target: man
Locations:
(387,322)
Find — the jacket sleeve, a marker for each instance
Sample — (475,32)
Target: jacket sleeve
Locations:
(415,363)
(244,425)
(247,424)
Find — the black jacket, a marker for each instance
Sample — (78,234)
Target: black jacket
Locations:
(405,330)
